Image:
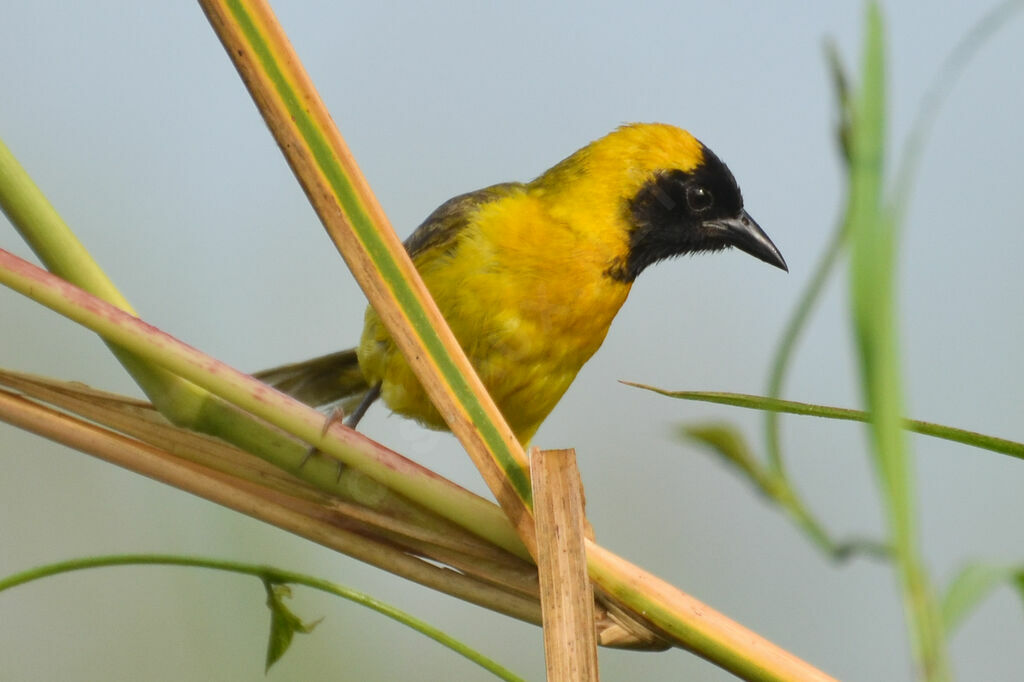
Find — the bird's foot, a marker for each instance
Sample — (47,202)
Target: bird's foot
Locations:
(336,415)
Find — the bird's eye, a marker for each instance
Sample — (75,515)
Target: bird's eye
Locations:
(699,198)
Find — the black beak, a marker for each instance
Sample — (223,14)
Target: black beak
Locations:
(746,235)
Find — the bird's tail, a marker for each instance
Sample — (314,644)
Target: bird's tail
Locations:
(329,379)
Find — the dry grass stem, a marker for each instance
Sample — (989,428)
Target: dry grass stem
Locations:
(566,598)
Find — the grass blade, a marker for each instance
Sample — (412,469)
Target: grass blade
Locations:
(872,272)
(270,576)
(728,443)
(816,285)
(769,404)
(952,67)
(972,585)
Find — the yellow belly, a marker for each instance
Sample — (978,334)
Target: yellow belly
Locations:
(527,317)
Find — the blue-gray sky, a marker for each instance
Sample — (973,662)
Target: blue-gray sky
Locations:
(136,126)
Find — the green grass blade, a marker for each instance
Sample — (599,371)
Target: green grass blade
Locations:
(816,285)
(791,334)
(769,404)
(952,67)
(728,443)
(268,575)
(42,228)
(972,585)
(872,273)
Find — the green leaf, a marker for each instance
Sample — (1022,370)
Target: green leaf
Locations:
(283,623)
(726,440)
(972,585)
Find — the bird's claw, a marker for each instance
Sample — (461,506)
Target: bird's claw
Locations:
(337,415)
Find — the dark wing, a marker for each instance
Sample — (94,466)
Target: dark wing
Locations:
(320,381)
(446,222)
(336,377)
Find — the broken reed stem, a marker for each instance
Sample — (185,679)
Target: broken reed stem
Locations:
(566,597)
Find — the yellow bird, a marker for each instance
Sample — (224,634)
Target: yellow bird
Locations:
(530,275)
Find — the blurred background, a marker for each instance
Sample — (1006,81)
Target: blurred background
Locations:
(132,120)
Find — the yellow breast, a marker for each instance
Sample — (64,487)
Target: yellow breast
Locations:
(524,290)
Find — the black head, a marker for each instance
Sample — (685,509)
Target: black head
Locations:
(681,212)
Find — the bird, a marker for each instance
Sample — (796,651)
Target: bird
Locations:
(530,275)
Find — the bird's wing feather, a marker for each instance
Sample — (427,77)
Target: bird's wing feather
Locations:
(320,381)
(449,219)
(337,377)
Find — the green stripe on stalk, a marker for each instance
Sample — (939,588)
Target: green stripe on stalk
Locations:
(366,232)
